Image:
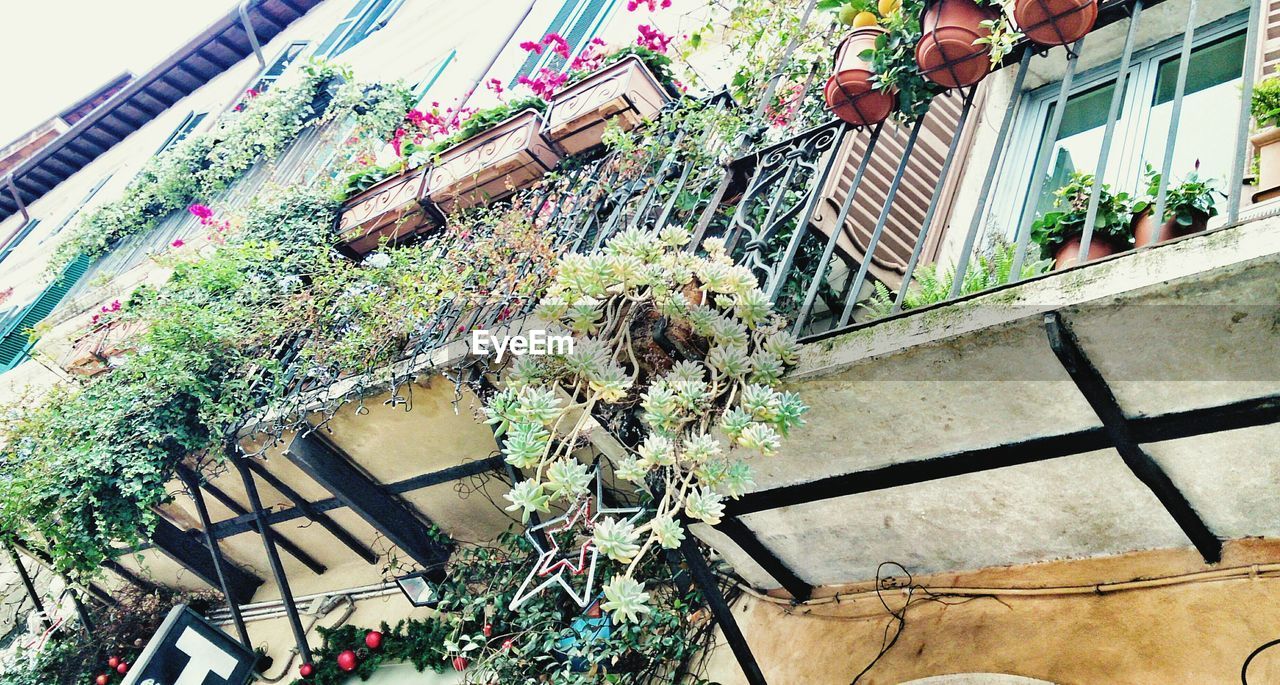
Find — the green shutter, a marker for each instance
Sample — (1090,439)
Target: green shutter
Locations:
(17,340)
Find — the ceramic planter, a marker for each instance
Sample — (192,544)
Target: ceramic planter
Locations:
(946,52)
(849,93)
(1055,22)
(391,209)
(626,92)
(510,156)
(1267,143)
(1144,226)
(1068,253)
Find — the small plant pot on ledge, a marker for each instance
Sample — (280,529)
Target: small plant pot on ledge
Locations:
(947,52)
(849,92)
(1144,227)
(1067,254)
(1267,143)
(625,91)
(495,163)
(391,209)
(1055,22)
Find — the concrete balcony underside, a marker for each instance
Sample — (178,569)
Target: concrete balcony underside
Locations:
(1175,331)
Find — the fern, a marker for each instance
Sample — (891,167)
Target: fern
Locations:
(930,286)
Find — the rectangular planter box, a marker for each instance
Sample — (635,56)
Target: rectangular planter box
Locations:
(392,209)
(510,156)
(626,91)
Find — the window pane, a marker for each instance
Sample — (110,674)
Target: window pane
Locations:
(1212,97)
(1079,141)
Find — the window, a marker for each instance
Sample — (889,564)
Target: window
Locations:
(184,130)
(279,65)
(1212,95)
(578,21)
(16,340)
(363,19)
(66,220)
(21,235)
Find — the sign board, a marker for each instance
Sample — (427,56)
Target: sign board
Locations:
(188,650)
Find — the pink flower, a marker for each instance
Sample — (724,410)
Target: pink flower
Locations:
(530,46)
(95,318)
(653,39)
(557,43)
(115,305)
(178,243)
(653,5)
(495,85)
(252,92)
(201,211)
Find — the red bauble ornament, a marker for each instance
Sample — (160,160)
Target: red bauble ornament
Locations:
(347,661)
(373,639)
(123,668)
(102,679)
(306,670)
(460,663)
(113,662)
(488,630)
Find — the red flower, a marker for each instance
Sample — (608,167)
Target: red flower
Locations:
(201,211)
(178,243)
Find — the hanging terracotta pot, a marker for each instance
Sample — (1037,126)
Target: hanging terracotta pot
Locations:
(849,92)
(947,53)
(1055,22)
(1144,228)
(1068,253)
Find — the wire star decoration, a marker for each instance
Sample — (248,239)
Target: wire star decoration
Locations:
(578,558)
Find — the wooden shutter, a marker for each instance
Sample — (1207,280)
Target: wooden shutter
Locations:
(923,173)
(1269,44)
(17,341)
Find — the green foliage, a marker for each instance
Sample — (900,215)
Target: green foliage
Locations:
(203,165)
(1265,104)
(929,285)
(1185,202)
(657,63)
(1113,219)
(894,62)
(486,119)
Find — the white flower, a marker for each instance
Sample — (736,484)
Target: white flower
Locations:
(668,532)
(567,479)
(704,505)
(378,260)
(616,539)
(625,599)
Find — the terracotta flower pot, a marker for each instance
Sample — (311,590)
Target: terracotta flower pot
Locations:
(493,164)
(849,92)
(946,52)
(1055,22)
(394,208)
(1267,143)
(1100,246)
(1144,227)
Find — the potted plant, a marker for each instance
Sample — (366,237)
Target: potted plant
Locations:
(1188,207)
(957,40)
(495,152)
(384,202)
(627,86)
(1059,233)
(875,67)
(1055,22)
(1265,108)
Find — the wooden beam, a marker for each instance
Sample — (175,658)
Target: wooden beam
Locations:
(1116,424)
(746,538)
(710,589)
(329,467)
(312,513)
(197,558)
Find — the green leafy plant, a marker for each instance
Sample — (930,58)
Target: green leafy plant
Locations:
(1185,202)
(658,63)
(1113,220)
(1265,102)
(485,120)
(930,285)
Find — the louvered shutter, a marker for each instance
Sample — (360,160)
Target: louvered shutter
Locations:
(577,21)
(1270,43)
(923,173)
(17,341)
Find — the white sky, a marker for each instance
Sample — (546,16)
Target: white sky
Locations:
(57,51)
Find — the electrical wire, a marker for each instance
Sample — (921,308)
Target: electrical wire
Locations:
(1244,668)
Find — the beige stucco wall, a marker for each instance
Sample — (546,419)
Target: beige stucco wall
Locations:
(1190,632)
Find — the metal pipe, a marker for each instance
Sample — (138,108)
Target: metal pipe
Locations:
(28,585)
(1042,162)
(273,558)
(502,47)
(193,489)
(22,206)
(934,201)
(1113,114)
(1242,125)
(1175,117)
(984,195)
(243,10)
(707,585)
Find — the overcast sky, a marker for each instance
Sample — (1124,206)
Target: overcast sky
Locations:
(57,51)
